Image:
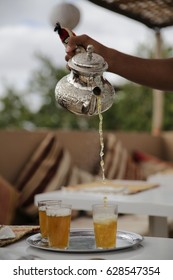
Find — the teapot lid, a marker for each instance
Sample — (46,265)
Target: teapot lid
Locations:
(88,61)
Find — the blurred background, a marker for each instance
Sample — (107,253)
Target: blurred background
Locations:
(32,62)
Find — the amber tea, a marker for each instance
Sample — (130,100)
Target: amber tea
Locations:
(105,232)
(42,215)
(59,226)
(105,225)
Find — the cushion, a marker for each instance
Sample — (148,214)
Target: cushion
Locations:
(9,199)
(150,164)
(118,163)
(49,168)
(79,176)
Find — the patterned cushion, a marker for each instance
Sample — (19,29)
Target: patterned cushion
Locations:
(9,199)
(79,176)
(118,163)
(49,168)
(150,164)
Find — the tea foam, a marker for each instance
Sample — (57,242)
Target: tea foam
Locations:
(58,212)
(105,219)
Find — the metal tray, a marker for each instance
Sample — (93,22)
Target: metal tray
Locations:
(83,241)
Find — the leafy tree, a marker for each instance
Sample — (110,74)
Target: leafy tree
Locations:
(168,108)
(132,109)
(14,113)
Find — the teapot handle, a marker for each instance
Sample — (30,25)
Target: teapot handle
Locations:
(64,34)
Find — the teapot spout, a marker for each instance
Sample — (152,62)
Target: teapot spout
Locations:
(97,91)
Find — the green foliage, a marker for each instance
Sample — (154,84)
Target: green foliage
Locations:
(132,109)
(168,109)
(14,113)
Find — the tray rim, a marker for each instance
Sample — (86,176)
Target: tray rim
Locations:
(74,232)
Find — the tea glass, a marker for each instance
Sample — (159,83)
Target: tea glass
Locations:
(42,216)
(105,218)
(59,219)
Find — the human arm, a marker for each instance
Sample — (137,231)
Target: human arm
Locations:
(154,73)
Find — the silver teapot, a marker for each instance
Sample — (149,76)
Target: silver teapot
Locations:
(78,92)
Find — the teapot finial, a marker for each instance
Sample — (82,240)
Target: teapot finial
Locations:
(90,50)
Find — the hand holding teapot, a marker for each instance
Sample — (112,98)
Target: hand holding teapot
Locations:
(79,91)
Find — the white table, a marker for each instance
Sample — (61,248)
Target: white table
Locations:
(151,248)
(156,203)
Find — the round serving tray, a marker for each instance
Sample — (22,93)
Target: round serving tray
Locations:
(83,241)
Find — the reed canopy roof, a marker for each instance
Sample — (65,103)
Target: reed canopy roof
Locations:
(155,14)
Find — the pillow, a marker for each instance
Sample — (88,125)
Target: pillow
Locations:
(118,163)
(79,176)
(49,168)
(9,198)
(150,164)
(49,161)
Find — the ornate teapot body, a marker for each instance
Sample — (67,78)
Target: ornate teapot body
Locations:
(78,92)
